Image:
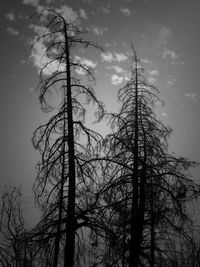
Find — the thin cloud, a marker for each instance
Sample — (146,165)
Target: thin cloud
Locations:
(11,15)
(116,68)
(121,57)
(154,72)
(111,57)
(31,2)
(191,96)
(105,10)
(83,14)
(169,54)
(99,31)
(68,13)
(87,63)
(152,80)
(171,81)
(40,59)
(146,61)
(12,31)
(108,57)
(125,11)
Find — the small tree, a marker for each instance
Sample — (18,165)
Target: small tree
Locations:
(13,245)
(66,177)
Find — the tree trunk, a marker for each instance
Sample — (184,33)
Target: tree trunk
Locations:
(134,242)
(70,223)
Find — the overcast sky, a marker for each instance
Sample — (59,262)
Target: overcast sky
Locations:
(166,36)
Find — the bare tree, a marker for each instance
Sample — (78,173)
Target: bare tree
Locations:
(66,176)
(146,188)
(13,246)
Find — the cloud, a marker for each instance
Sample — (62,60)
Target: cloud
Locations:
(12,31)
(83,14)
(120,57)
(40,59)
(154,72)
(111,57)
(191,96)
(68,13)
(152,80)
(116,68)
(116,80)
(169,54)
(164,114)
(108,56)
(98,30)
(11,15)
(146,61)
(125,11)
(86,63)
(39,30)
(105,10)
(171,81)
(31,2)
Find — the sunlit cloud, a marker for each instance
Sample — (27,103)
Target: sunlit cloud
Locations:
(12,31)
(125,11)
(116,80)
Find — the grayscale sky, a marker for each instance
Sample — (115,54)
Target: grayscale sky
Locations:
(166,36)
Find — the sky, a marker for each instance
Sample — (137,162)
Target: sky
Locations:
(166,36)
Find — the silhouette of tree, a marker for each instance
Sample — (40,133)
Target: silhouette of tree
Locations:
(146,188)
(13,245)
(65,185)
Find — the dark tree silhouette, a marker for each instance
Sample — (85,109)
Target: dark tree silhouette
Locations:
(146,188)
(13,245)
(65,185)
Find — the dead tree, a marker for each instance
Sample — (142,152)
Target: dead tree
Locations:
(64,178)
(142,177)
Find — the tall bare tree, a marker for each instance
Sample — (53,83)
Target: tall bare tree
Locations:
(66,177)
